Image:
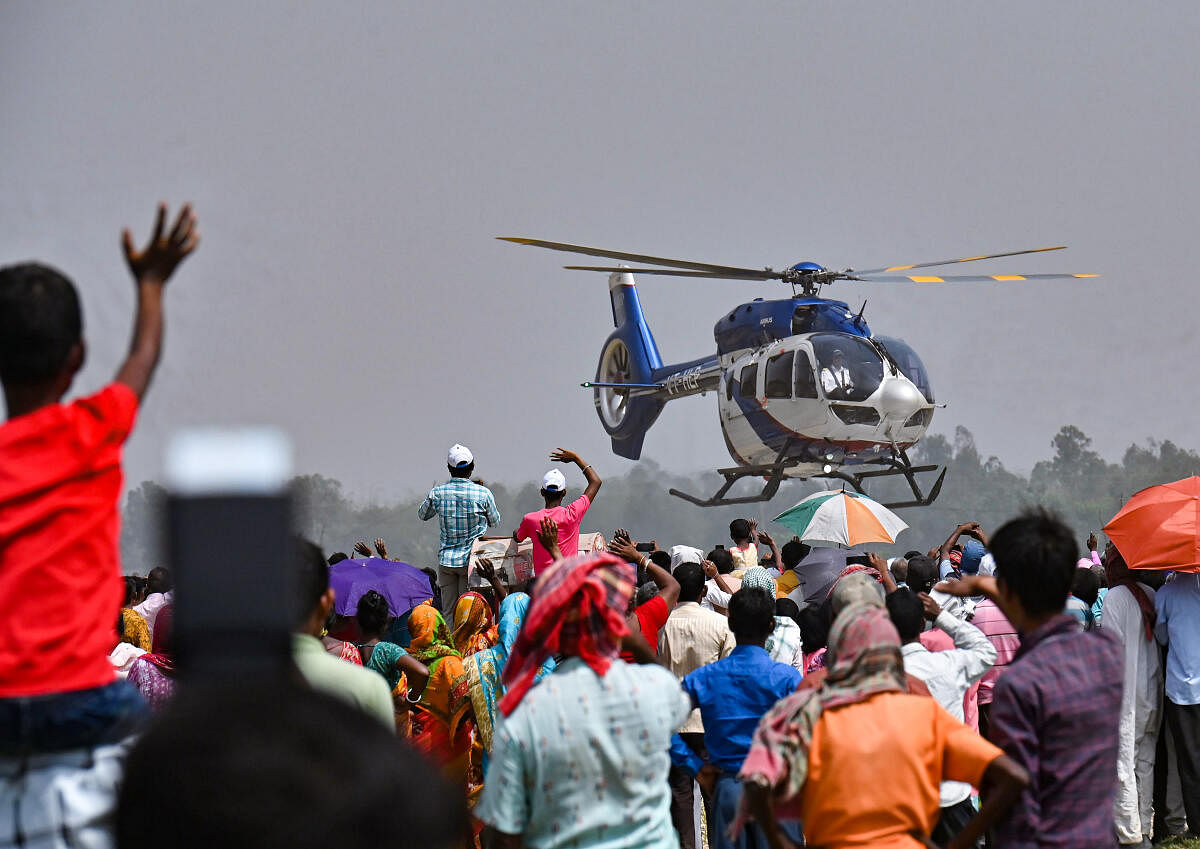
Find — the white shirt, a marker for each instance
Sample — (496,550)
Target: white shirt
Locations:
(949,674)
(154,603)
(833,378)
(716,597)
(693,637)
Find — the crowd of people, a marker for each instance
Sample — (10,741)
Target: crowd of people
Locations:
(991,689)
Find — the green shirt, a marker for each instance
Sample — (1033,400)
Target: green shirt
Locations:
(360,687)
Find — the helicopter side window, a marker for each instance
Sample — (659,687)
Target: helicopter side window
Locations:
(748,381)
(779,375)
(806,384)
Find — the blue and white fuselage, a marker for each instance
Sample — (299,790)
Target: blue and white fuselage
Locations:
(799,379)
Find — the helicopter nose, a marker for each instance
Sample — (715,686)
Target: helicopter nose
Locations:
(900,399)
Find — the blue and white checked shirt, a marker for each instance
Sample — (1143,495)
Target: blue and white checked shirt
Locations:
(465,510)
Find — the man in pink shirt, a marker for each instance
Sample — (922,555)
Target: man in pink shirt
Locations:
(996,627)
(568,519)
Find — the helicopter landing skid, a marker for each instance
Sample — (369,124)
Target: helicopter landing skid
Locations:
(776,472)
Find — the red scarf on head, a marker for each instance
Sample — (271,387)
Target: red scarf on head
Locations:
(1120,575)
(160,654)
(578,609)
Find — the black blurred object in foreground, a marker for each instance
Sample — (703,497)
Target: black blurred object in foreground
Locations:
(280,767)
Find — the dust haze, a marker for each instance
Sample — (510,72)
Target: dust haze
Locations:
(350,166)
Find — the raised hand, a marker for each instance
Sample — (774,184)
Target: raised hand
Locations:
(381,548)
(562,455)
(157,261)
(547,534)
(1092,542)
(931,607)
(970,585)
(624,548)
(362,548)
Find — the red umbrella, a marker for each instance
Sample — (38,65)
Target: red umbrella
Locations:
(1159,528)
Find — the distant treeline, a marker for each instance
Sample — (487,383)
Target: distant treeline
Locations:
(1085,489)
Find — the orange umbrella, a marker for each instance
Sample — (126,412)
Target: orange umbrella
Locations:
(1159,528)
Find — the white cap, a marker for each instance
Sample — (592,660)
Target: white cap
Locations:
(459,456)
(554,481)
(685,554)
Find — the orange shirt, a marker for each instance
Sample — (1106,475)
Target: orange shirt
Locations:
(875,767)
(60,587)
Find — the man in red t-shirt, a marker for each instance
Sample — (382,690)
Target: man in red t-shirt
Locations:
(646,618)
(60,480)
(568,519)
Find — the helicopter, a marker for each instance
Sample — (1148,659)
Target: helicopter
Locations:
(804,388)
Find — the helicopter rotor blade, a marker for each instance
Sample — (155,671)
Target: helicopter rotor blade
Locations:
(953,261)
(653,260)
(968,278)
(672,272)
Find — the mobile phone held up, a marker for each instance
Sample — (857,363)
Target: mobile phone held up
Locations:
(231,550)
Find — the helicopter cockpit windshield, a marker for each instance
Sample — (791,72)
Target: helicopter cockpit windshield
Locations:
(848,367)
(909,363)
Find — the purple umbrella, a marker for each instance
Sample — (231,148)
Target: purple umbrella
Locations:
(403,586)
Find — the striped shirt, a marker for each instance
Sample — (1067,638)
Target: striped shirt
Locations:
(1003,636)
(464,510)
(691,638)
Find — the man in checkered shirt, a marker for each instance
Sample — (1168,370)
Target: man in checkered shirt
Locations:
(465,510)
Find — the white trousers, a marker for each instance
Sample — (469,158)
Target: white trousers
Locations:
(1133,808)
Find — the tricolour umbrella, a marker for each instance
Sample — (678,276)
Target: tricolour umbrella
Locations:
(846,518)
(403,586)
(1159,528)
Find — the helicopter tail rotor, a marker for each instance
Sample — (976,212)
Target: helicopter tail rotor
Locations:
(624,391)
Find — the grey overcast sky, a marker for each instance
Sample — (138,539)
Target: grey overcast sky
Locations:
(350,164)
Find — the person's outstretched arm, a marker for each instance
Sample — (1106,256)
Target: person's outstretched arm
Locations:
(885,574)
(593,480)
(944,551)
(974,585)
(973,652)
(151,268)
(668,587)
(488,571)
(547,534)
(415,672)
(768,540)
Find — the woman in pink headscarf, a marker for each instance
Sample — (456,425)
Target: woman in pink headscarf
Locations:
(154,673)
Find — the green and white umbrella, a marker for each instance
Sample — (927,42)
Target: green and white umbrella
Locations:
(846,518)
